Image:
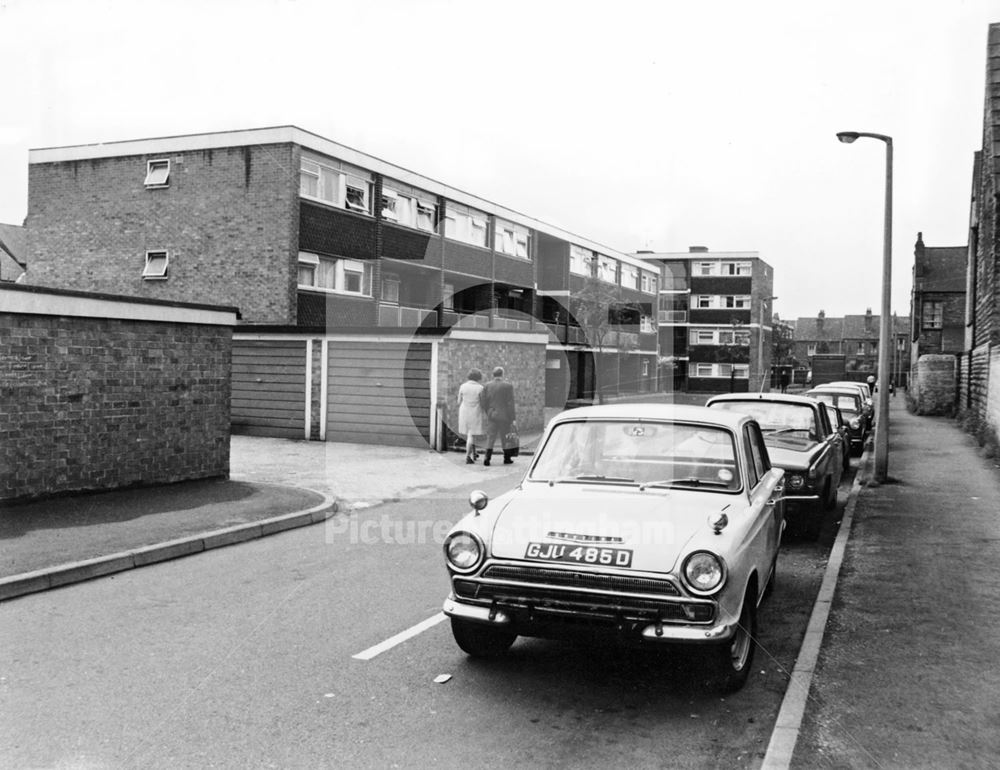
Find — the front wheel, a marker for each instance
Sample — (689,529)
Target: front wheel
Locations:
(734,659)
(481,641)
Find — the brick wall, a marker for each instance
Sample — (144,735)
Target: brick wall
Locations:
(227,218)
(93,403)
(936,384)
(521,355)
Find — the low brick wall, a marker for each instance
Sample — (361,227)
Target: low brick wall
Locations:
(936,384)
(521,354)
(100,392)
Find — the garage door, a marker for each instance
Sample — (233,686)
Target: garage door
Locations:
(269,388)
(379,393)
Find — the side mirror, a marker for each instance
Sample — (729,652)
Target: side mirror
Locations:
(478,500)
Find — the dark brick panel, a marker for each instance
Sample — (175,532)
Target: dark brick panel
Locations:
(413,245)
(336,233)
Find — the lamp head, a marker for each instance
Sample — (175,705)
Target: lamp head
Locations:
(847,136)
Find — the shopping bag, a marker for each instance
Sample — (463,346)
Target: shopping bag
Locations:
(511,442)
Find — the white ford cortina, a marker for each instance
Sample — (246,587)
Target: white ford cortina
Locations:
(657,524)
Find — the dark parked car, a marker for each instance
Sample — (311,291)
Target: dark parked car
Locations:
(851,405)
(800,439)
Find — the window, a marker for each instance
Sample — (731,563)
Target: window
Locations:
(811,349)
(630,276)
(648,284)
(390,288)
(156,265)
(157,173)
(464,224)
(426,216)
(406,205)
(703,301)
(390,202)
(933,315)
(336,183)
(645,367)
(737,301)
(347,276)
(357,194)
(861,349)
(509,238)
(607,269)
(705,268)
(739,371)
(736,268)
(646,324)
(702,337)
(580,261)
(448,297)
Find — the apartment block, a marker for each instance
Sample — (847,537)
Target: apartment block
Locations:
(714,318)
(312,241)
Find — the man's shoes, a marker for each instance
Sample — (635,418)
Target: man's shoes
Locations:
(508,461)
(469,461)
(486,463)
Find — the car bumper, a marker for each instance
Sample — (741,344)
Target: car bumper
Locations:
(538,621)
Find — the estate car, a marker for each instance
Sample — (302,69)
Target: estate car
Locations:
(649,523)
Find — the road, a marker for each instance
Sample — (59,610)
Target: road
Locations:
(245,657)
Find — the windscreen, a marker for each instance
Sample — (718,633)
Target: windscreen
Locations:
(627,452)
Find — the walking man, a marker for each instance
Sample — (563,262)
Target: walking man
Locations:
(498,403)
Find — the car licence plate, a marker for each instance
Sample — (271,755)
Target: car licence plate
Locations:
(579,554)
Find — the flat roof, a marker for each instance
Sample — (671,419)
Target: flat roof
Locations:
(309,140)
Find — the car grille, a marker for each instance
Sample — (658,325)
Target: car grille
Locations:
(541,591)
(558,577)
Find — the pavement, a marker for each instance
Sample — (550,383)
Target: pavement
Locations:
(899,664)
(274,485)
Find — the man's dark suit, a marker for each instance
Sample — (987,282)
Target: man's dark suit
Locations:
(498,403)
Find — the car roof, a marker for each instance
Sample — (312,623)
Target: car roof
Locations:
(783,398)
(642,411)
(842,384)
(841,391)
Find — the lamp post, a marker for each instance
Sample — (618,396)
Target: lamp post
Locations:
(760,343)
(884,344)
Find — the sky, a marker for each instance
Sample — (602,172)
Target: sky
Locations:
(636,124)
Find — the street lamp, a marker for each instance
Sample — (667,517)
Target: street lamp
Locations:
(760,343)
(884,345)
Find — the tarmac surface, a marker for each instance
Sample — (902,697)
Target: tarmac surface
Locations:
(907,672)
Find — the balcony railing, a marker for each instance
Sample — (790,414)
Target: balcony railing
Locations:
(673,316)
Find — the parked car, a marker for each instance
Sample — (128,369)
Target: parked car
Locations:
(800,440)
(868,404)
(851,406)
(839,424)
(651,523)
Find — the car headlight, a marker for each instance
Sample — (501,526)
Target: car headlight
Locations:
(855,423)
(795,480)
(703,572)
(463,551)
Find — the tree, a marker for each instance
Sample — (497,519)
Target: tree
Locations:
(596,309)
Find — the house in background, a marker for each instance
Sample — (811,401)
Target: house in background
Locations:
(714,318)
(856,338)
(819,335)
(937,304)
(13,247)
(366,290)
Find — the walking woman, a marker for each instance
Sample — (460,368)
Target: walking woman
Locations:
(471,417)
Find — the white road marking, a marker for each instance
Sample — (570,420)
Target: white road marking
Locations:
(399,638)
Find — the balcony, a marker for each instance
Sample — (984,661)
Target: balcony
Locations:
(673,316)
(403,316)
